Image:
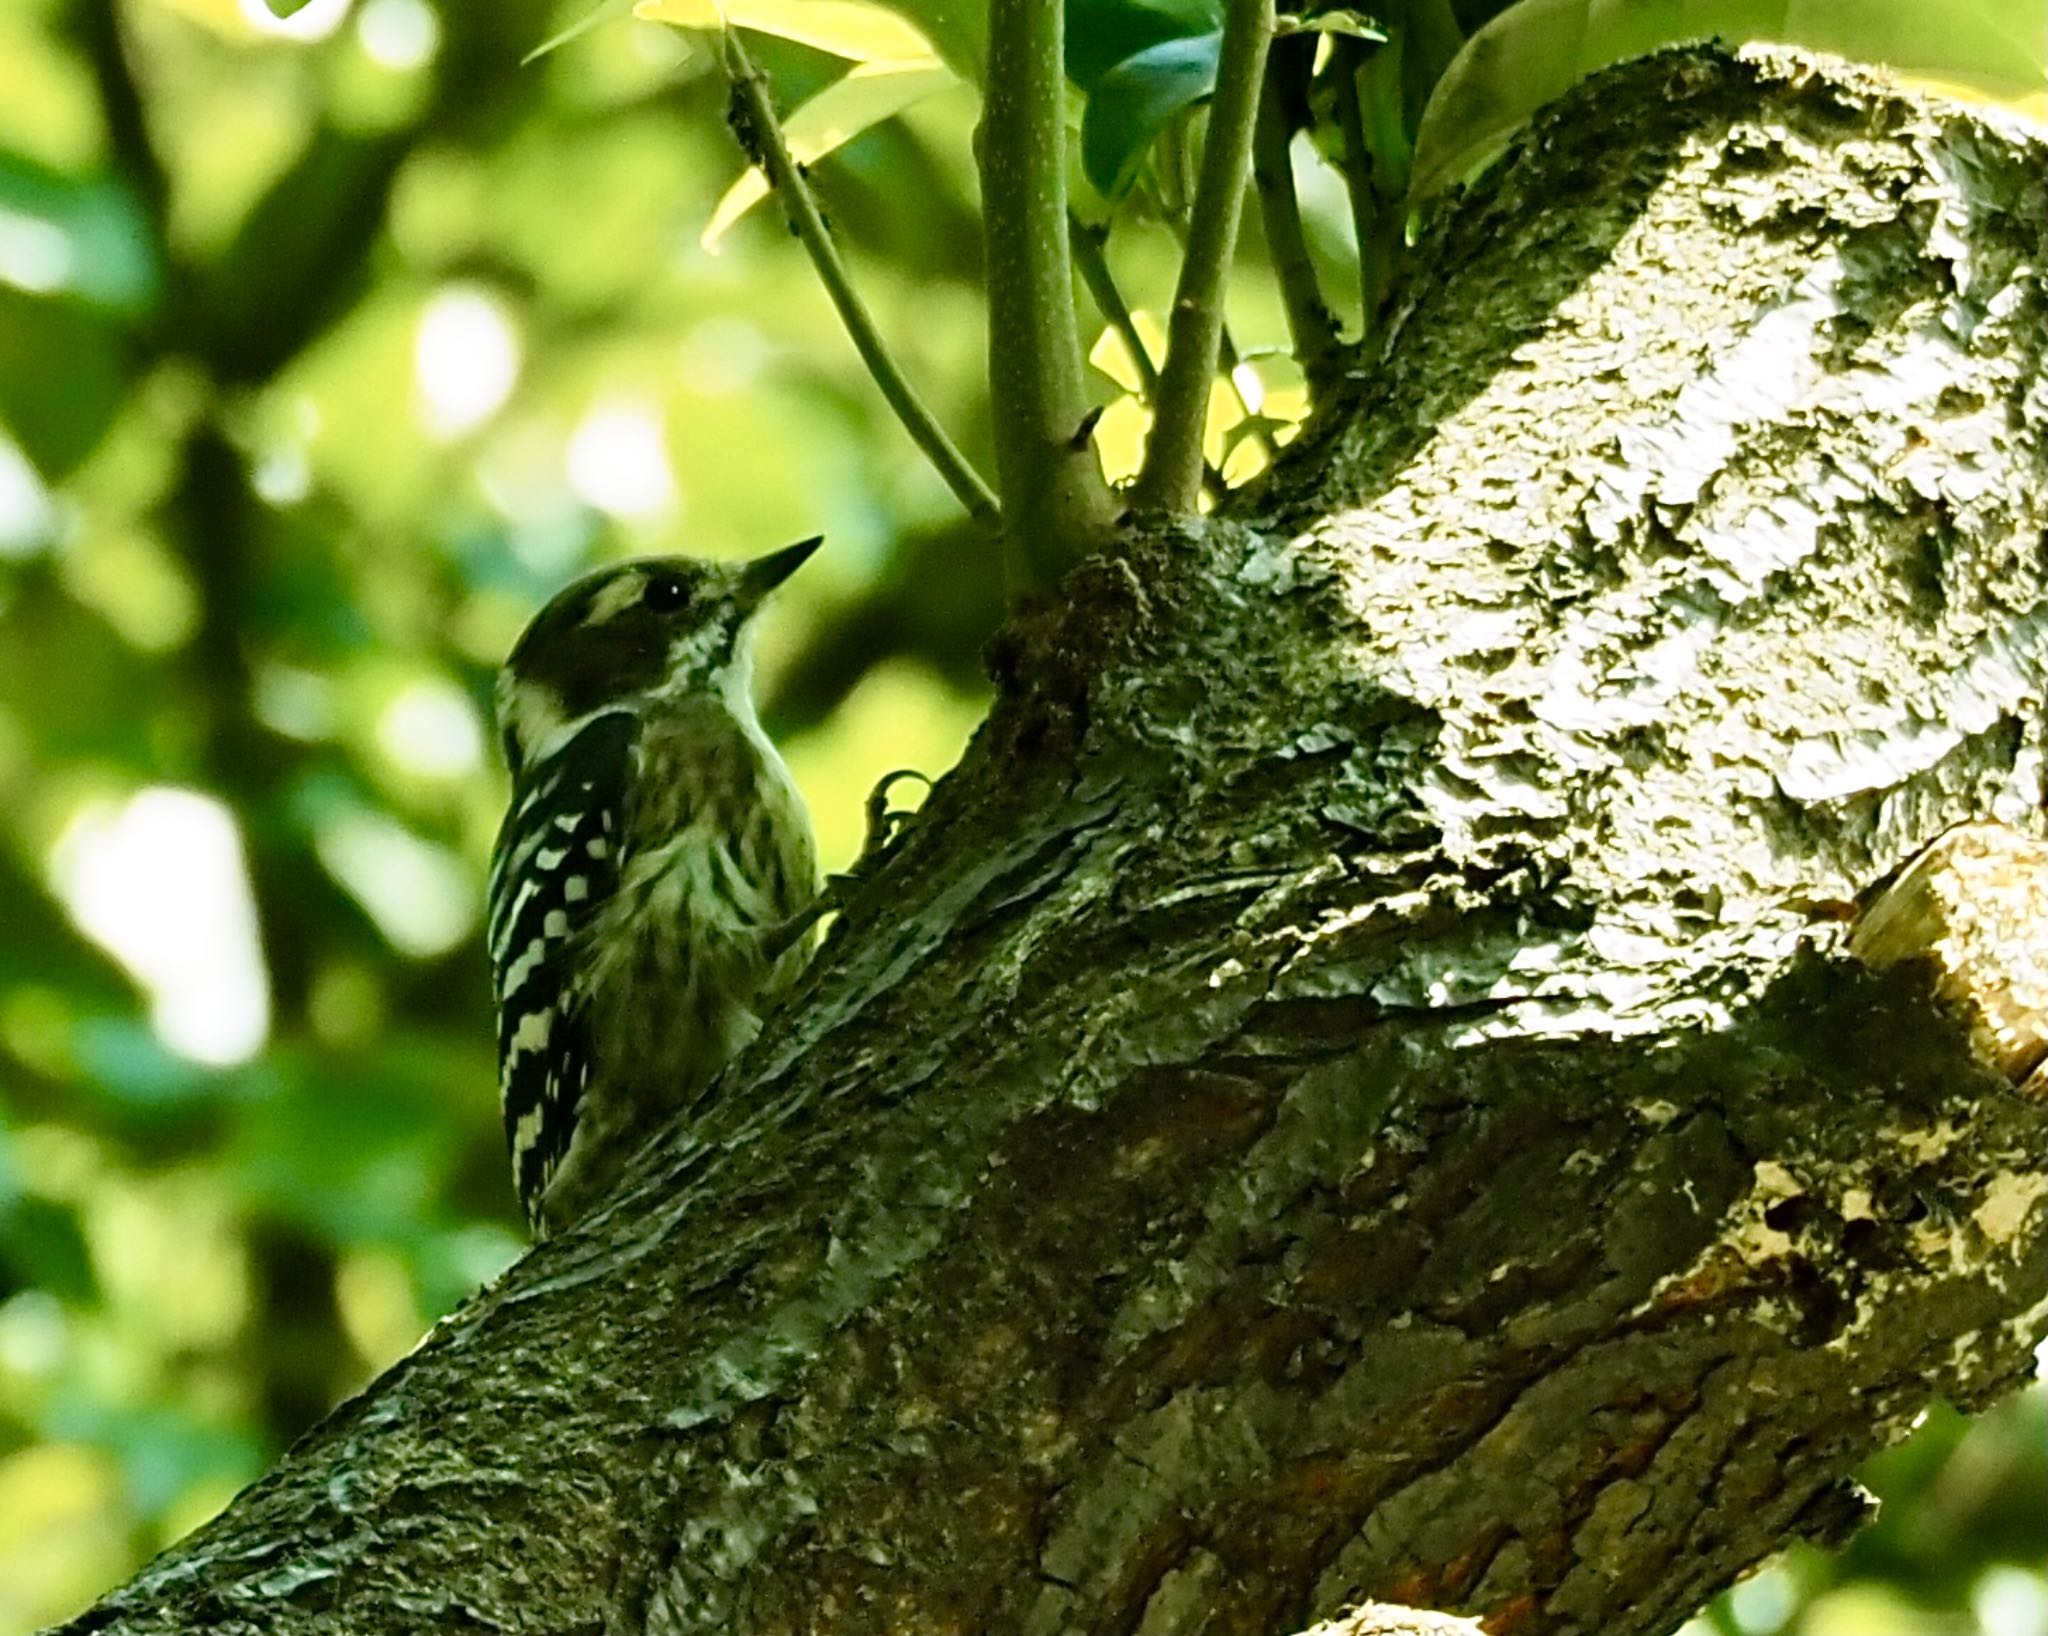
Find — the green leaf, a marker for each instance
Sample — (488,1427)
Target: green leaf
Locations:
(851,29)
(1383,108)
(348,1151)
(1103,33)
(957,29)
(42,342)
(1979,50)
(869,94)
(122,1057)
(88,241)
(42,1243)
(604,12)
(164,1451)
(1352,24)
(1135,101)
(285,8)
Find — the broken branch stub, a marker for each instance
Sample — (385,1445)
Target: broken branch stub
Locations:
(1972,908)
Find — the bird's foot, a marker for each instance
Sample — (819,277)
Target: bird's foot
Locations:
(884,827)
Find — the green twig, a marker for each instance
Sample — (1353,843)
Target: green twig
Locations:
(135,152)
(1309,321)
(1090,256)
(1231,361)
(1172,476)
(1055,503)
(1176,218)
(1359,183)
(1371,93)
(760,134)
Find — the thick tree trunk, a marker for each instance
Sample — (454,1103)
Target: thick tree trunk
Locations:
(1358,1085)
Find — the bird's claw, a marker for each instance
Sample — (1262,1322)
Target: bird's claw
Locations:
(884,825)
(885,822)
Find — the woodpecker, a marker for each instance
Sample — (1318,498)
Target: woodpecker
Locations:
(652,870)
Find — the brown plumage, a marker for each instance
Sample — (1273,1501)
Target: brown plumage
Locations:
(653,862)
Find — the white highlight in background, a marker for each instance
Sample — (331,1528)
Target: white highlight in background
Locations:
(160,882)
(418,893)
(2010,1601)
(28,521)
(618,461)
(401,35)
(430,730)
(35,255)
(465,359)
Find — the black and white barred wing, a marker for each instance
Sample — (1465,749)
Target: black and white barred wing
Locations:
(555,865)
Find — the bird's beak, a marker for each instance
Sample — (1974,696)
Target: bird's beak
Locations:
(763,574)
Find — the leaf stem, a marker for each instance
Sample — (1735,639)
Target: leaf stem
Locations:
(760,134)
(1172,478)
(1309,320)
(1092,259)
(1373,93)
(1229,359)
(1358,184)
(1054,501)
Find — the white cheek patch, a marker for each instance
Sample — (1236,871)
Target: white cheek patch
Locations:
(737,684)
(614,597)
(532,711)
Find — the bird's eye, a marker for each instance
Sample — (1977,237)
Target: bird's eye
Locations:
(665,594)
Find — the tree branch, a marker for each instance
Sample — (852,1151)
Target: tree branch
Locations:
(760,134)
(134,151)
(1090,245)
(1361,186)
(1091,258)
(1171,480)
(1329,1101)
(1310,322)
(1055,504)
(1231,361)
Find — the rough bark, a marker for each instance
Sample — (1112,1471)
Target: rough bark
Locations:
(1357,1086)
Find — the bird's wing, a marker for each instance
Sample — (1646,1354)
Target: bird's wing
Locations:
(555,865)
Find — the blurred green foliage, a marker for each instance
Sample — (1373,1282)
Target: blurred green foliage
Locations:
(325,354)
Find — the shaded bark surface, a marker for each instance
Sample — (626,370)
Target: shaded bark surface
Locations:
(1355,1087)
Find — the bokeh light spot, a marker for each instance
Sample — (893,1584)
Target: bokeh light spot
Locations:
(35,255)
(28,521)
(2010,1601)
(419,894)
(160,882)
(618,462)
(374,1297)
(721,356)
(430,729)
(401,35)
(466,358)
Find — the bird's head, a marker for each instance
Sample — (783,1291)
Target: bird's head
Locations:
(630,634)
